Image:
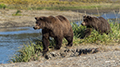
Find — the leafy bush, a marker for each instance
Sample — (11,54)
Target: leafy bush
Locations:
(27,53)
(17,13)
(59,5)
(95,37)
(3,6)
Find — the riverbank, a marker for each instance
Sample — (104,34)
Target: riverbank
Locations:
(10,18)
(103,56)
(23,18)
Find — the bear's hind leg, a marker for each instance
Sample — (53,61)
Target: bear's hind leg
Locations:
(70,40)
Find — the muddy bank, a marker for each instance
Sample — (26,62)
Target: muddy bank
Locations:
(99,56)
(26,17)
(95,11)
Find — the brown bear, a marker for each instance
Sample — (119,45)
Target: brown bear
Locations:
(57,27)
(99,24)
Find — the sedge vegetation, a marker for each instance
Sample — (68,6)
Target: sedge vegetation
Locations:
(32,50)
(58,4)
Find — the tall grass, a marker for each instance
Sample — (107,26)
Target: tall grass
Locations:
(95,37)
(59,4)
(29,52)
(32,51)
(2,6)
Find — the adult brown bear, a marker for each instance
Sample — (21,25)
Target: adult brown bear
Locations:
(57,27)
(99,24)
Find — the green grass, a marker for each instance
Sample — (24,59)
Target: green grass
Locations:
(95,37)
(17,13)
(67,7)
(2,6)
(29,52)
(32,51)
(58,5)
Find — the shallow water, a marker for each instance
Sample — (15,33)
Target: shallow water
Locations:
(112,16)
(12,38)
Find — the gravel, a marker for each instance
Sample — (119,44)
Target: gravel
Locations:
(103,58)
(26,17)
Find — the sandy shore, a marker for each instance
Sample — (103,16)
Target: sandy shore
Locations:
(106,56)
(27,17)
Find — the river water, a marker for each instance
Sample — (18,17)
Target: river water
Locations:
(13,38)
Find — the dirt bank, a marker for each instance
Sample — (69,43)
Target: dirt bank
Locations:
(103,56)
(26,17)
(96,11)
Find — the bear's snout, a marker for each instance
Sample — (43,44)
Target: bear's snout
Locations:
(83,23)
(34,28)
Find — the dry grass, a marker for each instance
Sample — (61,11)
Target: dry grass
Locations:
(59,5)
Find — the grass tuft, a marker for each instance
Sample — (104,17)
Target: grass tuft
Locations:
(95,37)
(27,53)
(17,13)
(2,6)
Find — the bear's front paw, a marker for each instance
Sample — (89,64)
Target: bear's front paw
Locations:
(69,45)
(57,48)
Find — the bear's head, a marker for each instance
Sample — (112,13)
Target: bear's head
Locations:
(40,22)
(87,21)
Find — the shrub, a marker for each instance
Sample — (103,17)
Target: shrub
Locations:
(17,13)
(95,37)
(2,6)
(27,53)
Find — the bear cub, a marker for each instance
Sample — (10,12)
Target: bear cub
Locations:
(57,27)
(99,24)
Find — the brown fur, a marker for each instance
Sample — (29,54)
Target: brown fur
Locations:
(99,24)
(57,27)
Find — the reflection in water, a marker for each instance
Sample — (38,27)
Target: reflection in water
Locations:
(113,16)
(12,38)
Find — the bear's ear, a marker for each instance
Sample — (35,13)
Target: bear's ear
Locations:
(89,17)
(36,18)
(85,16)
(41,18)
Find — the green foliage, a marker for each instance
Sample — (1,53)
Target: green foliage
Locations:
(27,53)
(59,5)
(78,30)
(30,51)
(2,6)
(95,37)
(17,13)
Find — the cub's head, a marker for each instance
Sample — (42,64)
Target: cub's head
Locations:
(87,21)
(40,22)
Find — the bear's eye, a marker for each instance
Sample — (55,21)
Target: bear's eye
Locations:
(36,22)
(85,20)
